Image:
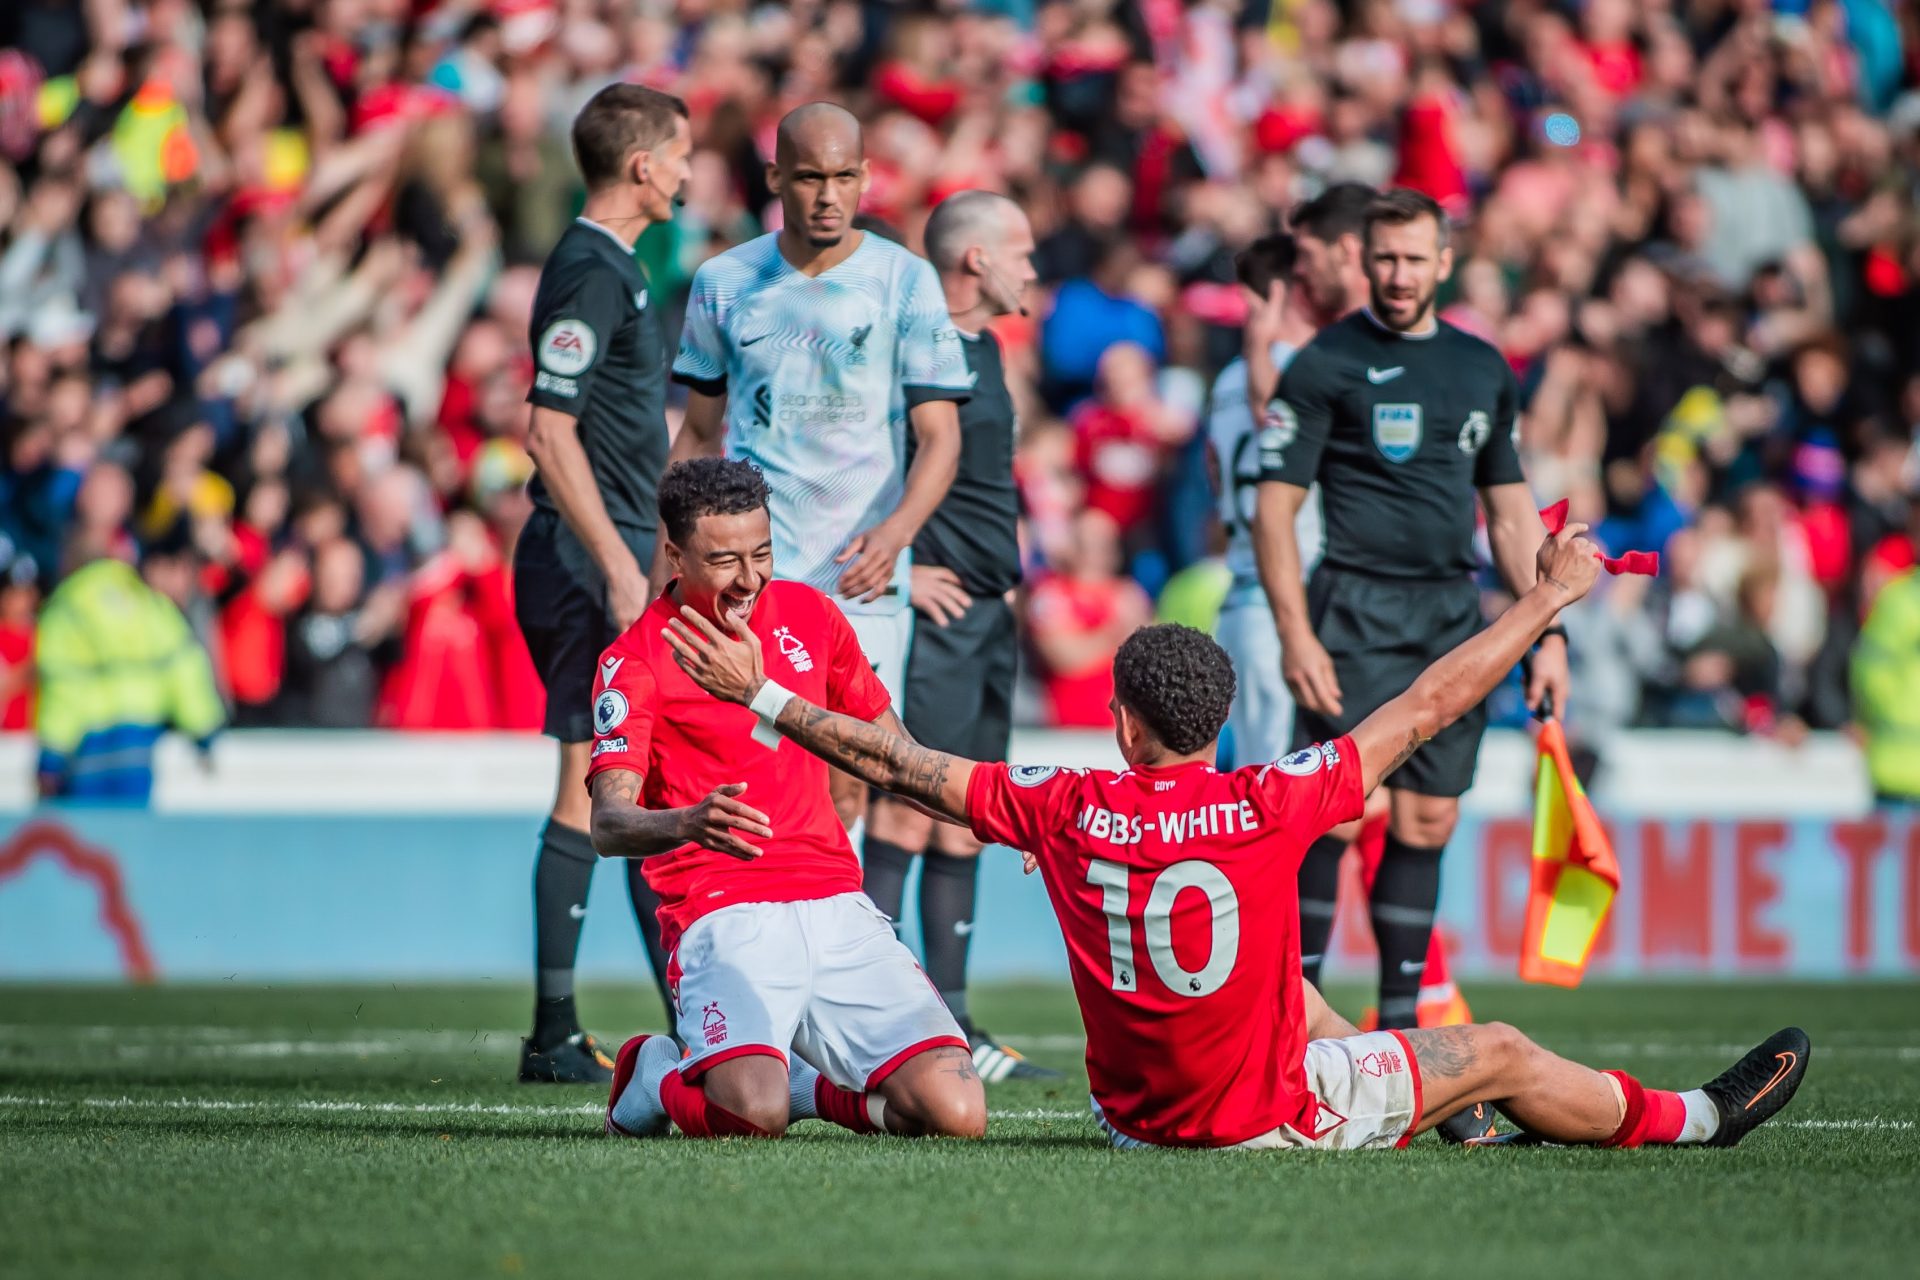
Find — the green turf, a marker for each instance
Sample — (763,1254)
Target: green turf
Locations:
(240,1130)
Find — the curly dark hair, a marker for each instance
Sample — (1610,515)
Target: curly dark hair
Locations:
(708,487)
(1178,681)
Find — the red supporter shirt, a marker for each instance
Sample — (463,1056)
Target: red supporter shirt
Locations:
(1176,892)
(1117,453)
(1078,699)
(650,718)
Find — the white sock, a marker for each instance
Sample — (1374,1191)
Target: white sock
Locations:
(638,1109)
(1703,1118)
(801,1082)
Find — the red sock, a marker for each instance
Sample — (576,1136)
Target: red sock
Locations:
(1653,1115)
(699,1116)
(843,1107)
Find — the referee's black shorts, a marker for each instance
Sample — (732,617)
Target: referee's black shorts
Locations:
(1381,634)
(960,681)
(560,601)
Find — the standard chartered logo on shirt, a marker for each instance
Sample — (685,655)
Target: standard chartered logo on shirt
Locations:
(800,408)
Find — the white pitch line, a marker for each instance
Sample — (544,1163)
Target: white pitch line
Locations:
(305,1104)
(350,1107)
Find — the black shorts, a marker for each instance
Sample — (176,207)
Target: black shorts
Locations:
(960,681)
(560,601)
(1382,633)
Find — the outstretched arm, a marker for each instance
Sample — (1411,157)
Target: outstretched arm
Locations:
(877,753)
(1447,690)
(880,757)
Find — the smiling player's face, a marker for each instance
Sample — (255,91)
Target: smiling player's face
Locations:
(725,565)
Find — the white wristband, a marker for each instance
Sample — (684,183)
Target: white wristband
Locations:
(767,705)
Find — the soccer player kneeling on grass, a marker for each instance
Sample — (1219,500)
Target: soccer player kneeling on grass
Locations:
(1175,886)
(794,996)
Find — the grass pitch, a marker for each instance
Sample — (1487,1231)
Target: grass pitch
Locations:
(241,1130)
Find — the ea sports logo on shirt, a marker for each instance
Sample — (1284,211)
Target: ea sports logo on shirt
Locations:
(567,347)
(609,712)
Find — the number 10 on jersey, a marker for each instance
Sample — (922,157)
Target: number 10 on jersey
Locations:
(1156,919)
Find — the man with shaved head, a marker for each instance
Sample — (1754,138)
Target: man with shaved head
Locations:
(813,352)
(966,560)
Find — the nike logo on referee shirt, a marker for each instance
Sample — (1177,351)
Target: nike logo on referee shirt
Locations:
(747,342)
(1378,376)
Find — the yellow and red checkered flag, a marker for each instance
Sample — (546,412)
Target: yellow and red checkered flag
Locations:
(1574,872)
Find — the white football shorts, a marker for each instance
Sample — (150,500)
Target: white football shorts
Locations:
(1369,1091)
(885,638)
(826,978)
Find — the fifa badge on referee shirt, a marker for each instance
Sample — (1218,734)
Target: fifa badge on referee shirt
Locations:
(796,652)
(1396,430)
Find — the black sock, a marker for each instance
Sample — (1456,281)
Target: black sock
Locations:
(561,877)
(885,877)
(947,887)
(646,910)
(1319,894)
(1405,892)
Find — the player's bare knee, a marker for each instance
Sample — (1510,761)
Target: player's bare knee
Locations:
(956,1111)
(1507,1048)
(952,842)
(1425,827)
(898,824)
(764,1111)
(753,1088)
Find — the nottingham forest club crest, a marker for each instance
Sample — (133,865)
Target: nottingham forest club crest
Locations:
(795,651)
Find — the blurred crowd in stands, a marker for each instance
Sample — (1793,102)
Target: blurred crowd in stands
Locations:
(265,270)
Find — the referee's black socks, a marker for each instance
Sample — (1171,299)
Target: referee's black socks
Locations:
(947,886)
(561,877)
(1405,893)
(1319,894)
(884,876)
(646,911)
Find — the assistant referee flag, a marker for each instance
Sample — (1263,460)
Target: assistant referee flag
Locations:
(1574,873)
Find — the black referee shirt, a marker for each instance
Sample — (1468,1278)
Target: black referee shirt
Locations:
(1399,431)
(975,529)
(599,356)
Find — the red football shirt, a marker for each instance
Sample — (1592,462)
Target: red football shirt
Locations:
(1177,893)
(651,718)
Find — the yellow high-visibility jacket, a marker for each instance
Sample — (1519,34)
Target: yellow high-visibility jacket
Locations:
(1886,688)
(118,665)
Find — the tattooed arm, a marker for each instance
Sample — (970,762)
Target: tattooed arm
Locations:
(622,829)
(1567,566)
(878,753)
(871,752)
